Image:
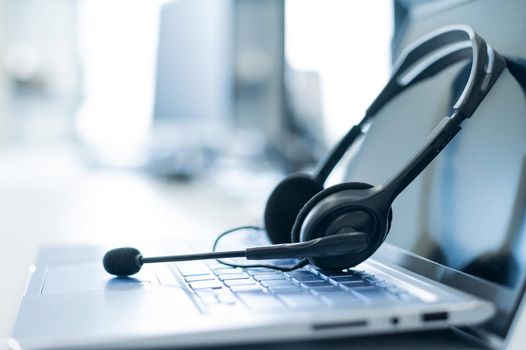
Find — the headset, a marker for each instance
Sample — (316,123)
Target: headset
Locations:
(341,226)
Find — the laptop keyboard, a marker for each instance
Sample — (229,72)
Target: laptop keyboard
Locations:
(219,288)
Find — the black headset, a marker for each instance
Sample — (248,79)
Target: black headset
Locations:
(343,225)
(300,209)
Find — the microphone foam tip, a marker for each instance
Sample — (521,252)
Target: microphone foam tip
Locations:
(122,261)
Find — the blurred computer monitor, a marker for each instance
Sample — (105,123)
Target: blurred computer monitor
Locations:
(193,85)
(194,69)
(221,77)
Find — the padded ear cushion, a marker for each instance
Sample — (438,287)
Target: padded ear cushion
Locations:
(296,228)
(284,204)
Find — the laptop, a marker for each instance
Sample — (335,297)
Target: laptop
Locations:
(459,265)
(453,259)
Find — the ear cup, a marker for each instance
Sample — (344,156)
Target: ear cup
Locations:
(296,229)
(284,204)
(332,219)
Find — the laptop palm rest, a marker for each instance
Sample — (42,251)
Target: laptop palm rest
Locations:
(89,277)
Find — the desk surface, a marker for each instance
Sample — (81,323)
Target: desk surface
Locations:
(48,197)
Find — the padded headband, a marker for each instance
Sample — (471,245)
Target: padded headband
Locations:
(421,60)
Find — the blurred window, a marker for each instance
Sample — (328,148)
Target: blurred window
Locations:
(348,44)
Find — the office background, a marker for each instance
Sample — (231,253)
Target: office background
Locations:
(119,119)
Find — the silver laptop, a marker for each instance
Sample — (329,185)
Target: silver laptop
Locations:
(72,303)
(453,261)
(454,258)
(425,279)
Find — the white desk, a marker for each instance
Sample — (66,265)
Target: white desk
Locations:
(48,197)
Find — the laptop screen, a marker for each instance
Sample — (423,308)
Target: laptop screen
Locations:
(471,204)
(466,213)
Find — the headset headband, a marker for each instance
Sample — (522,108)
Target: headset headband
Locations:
(421,60)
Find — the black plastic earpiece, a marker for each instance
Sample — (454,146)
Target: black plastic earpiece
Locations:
(284,204)
(344,208)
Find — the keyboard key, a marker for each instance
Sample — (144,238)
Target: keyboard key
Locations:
(205,285)
(316,284)
(195,278)
(261,270)
(234,276)
(300,301)
(305,278)
(260,301)
(268,277)
(218,265)
(286,289)
(354,284)
(190,268)
(278,283)
(325,290)
(228,270)
(246,288)
(300,273)
(346,278)
(242,282)
(215,265)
